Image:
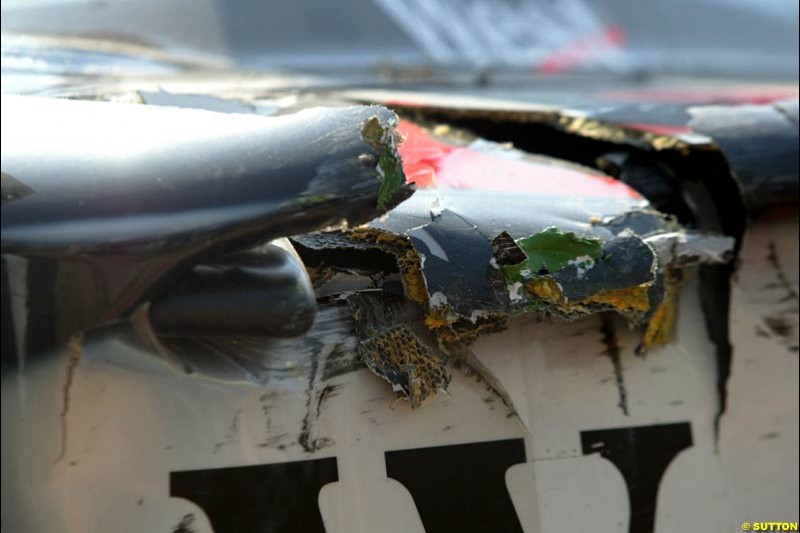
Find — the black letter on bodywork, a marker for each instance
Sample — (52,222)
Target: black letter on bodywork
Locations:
(280,497)
(642,455)
(460,487)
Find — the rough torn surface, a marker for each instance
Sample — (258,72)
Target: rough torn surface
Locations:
(466,270)
(397,348)
(496,233)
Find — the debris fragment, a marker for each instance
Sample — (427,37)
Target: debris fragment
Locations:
(396,346)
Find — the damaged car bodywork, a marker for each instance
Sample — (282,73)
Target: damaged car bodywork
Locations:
(160,202)
(245,276)
(471,271)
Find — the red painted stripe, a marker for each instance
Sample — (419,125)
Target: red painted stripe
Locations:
(431,163)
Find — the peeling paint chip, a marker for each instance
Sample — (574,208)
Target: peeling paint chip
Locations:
(549,251)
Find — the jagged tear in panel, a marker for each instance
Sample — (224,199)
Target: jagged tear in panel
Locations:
(542,237)
(466,270)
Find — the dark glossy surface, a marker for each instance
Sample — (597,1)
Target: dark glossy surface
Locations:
(107,205)
(127,179)
(762,146)
(264,293)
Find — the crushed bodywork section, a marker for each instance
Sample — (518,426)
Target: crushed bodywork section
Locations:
(452,264)
(623,200)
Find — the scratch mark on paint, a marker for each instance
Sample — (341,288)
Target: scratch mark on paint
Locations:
(772,257)
(233,431)
(613,352)
(315,401)
(74,349)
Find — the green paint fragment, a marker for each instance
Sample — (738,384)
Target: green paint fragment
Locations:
(392,177)
(552,250)
(390,170)
(517,272)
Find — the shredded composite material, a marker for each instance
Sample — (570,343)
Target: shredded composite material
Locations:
(464,261)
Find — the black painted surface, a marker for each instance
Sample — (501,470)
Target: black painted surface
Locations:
(761,144)
(264,292)
(134,180)
(121,201)
(625,261)
(471,221)
(460,487)
(456,262)
(276,498)
(642,455)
